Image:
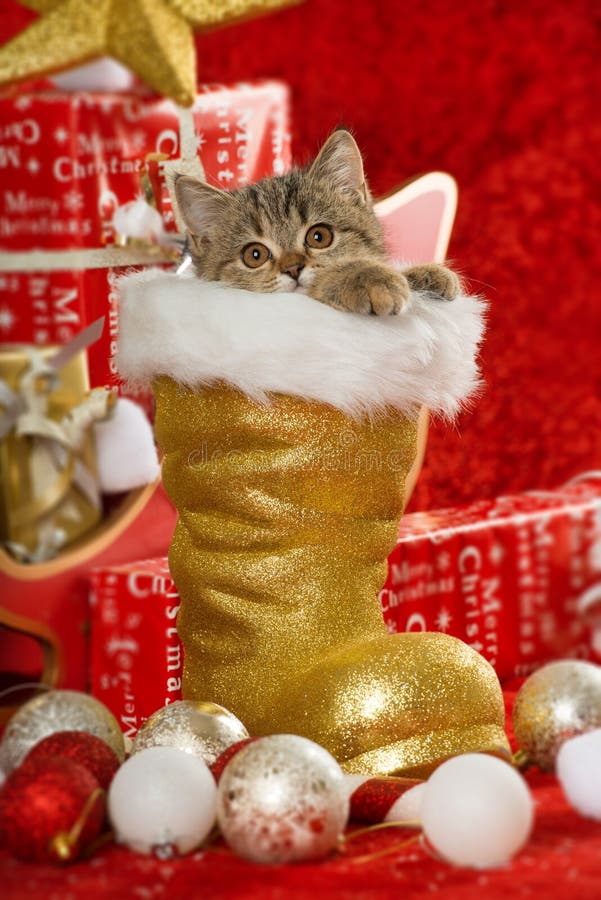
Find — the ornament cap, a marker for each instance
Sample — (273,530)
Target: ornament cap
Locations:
(61,847)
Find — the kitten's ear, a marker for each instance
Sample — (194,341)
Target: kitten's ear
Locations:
(200,205)
(339,161)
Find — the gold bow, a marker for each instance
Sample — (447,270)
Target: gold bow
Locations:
(49,485)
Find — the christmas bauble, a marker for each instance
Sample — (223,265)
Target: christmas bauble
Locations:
(408,807)
(281,799)
(223,759)
(162,801)
(50,809)
(579,773)
(57,711)
(559,701)
(204,729)
(384,799)
(86,749)
(476,811)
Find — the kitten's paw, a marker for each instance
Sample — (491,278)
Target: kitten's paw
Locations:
(376,290)
(435,279)
(362,286)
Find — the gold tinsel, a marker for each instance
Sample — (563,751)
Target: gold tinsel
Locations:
(154,38)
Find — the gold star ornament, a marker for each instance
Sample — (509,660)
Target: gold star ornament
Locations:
(154,38)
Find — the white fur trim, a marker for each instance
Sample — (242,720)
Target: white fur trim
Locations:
(202,332)
(126,454)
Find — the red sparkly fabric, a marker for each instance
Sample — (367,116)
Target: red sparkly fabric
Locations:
(562,859)
(502,95)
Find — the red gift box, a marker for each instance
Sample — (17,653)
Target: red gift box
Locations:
(44,608)
(137,657)
(68,160)
(517,578)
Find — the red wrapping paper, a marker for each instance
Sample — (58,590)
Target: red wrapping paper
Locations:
(515,577)
(137,657)
(68,160)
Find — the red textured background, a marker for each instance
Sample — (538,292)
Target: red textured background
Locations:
(503,96)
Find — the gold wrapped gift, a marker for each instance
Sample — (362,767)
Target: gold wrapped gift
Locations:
(288,505)
(48,492)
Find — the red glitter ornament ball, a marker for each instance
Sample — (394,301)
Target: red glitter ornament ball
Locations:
(83,748)
(50,809)
(224,758)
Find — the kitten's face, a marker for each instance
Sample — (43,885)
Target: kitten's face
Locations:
(275,235)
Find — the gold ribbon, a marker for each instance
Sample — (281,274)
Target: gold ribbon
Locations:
(13,404)
(50,498)
(55,445)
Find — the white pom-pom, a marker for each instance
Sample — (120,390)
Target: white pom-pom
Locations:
(138,220)
(408,807)
(103,74)
(126,455)
(578,768)
(162,800)
(477,811)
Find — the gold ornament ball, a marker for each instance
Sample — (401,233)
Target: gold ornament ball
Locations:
(57,711)
(559,701)
(201,728)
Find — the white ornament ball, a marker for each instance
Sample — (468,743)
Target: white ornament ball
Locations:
(162,800)
(578,769)
(282,799)
(477,811)
(408,807)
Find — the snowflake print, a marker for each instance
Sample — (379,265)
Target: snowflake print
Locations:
(443,620)
(7,319)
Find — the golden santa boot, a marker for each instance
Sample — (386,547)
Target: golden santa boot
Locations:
(289,431)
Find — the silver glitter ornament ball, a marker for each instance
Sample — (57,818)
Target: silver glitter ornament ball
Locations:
(282,799)
(559,701)
(57,711)
(201,728)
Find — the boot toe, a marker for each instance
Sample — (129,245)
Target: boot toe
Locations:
(401,704)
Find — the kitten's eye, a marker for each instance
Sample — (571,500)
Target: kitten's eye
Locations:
(319,237)
(254,255)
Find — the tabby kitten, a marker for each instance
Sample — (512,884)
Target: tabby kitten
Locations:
(313,230)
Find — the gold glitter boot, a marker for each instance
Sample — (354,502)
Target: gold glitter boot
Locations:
(288,512)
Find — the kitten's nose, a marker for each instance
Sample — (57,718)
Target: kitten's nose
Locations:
(294,271)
